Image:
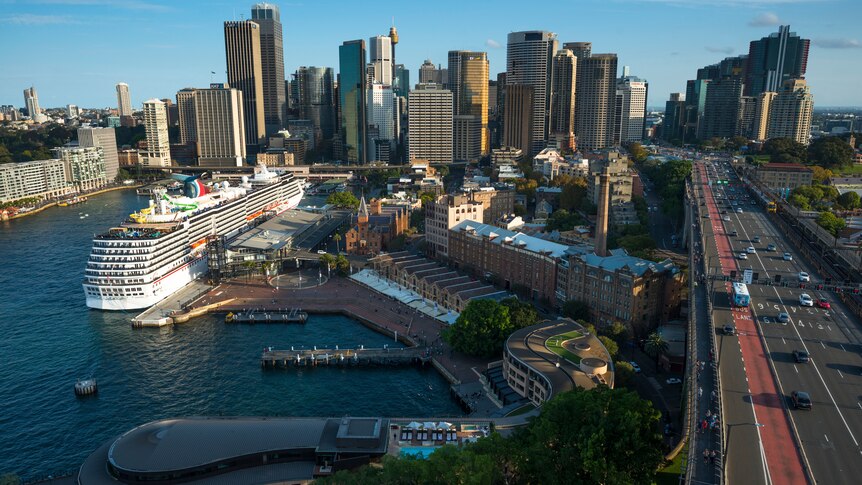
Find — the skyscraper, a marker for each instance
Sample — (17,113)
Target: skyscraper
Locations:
(775,59)
(402,81)
(468,82)
(381,120)
(380,58)
(186,108)
(31,101)
(695,102)
(528,63)
(630,112)
(674,117)
(563,89)
(245,73)
(268,17)
(316,99)
(596,100)
(158,153)
(351,94)
(581,51)
(124,100)
(430,114)
(721,110)
(107,140)
(762,107)
(518,117)
(791,110)
(219,126)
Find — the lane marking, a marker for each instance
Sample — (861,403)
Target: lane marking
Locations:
(840,374)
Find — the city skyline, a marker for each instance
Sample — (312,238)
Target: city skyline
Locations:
(666,57)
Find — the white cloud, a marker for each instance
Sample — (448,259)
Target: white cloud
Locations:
(31,19)
(766,19)
(493,44)
(720,50)
(838,43)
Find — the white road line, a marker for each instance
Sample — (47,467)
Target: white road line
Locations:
(842,347)
(827,438)
(821,342)
(840,374)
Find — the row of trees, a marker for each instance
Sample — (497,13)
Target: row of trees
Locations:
(600,435)
(669,180)
(484,325)
(830,152)
(340,263)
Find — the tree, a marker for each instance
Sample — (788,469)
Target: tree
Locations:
(640,245)
(830,222)
(521,314)
(849,200)
(481,329)
(637,151)
(574,191)
(337,238)
(623,373)
(784,150)
(600,435)
(327,261)
(576,310)
(344,200)
(426,197)
(611,346)
(343,264)
(620,332)
(563,220)
(655,346)
(830,152)
(820,175)
(737,142)
(526,187)
(519,210)
(799,200)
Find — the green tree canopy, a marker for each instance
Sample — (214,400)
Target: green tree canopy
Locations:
(521,314)
(611,346)
(830,152)
(849,200)
(820,175)
(576,310)
(655,346)
(481,329)
(830,222)
(563,220)
(785,150)
(344,200)
(637,152)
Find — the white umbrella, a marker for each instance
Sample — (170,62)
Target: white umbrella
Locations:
(414,425)
(445,425)
(429,425)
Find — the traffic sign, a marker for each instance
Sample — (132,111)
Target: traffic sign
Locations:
(747,276)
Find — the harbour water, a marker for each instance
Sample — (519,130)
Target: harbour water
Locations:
(50,339)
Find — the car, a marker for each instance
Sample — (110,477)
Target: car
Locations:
(804,277)
(743,256)
(724,211)
(739,210)
(783,317)
(805,300)
(756,239)
(734,233)
(801,400)
(771,247)
(674,380)
(824,303)
(635,366)
(801,356)
(729,329)
(726,218)
(320,251)
(788,257)
(750,250)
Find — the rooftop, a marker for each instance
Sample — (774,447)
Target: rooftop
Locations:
(277,232)
(520,240)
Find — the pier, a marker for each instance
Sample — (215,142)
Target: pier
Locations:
(293,315)
(360,357)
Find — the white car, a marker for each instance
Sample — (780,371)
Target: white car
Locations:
(726,218)
(803,276)
(320,251)
(739,210)
(788,257)
(743,256)
(674,380)
(805,300)
(750,250)
(635,366)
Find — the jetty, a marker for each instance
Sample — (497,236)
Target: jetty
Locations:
(360,357)
(293,315)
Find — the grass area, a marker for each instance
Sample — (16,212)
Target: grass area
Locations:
(853,169)
(526,408)
(669,475)
(555,345)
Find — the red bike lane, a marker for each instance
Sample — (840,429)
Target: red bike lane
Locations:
(782,460)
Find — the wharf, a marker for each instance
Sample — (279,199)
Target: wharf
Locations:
(162,313)
(293,315)
(344,357)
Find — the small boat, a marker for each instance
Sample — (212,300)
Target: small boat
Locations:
(86,387)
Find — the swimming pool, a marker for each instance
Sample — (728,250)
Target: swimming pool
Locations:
(422,452)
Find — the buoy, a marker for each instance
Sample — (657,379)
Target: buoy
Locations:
(86,387)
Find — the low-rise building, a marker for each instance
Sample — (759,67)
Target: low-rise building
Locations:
(374,227)
(783,176)
(85,166)
(43,179)
(495,201)
(442,214)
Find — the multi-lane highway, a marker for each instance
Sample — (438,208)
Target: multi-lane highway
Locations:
(767,440)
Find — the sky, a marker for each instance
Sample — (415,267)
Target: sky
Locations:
(75,51)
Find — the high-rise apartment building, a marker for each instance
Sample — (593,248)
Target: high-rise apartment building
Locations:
(158,152)
(381,121)
(84,167)
(596,100)
(581,51)
(762,107)
(186,115)
(402,81)
(245,73)
(518,117)
(630,111)
(124,100)
(268,17)
(721,110)
(41,179)
(380,58)
(453,77)
(105,138)
(674,117)
(352,104)
(745,116)
(428,73)
(315,89)
(791,111)
(72,111)
(473,92)
(219,126)
(528,63)
(31,101)
(695,103)
(430,113)
(775,59)
(467,138)
(563,89)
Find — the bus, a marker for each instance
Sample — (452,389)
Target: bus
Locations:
(771,206)
(740,294)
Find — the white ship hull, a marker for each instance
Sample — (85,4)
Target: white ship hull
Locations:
(109,288)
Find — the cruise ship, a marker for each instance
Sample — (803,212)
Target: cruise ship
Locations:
(161,248)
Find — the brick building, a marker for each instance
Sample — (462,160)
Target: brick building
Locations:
(783,176)
(373,228)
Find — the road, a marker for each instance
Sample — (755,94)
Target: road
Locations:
(757,406)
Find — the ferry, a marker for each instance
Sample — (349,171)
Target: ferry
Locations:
(72,201)
(161,248)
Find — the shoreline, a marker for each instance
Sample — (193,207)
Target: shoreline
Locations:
(88,195)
